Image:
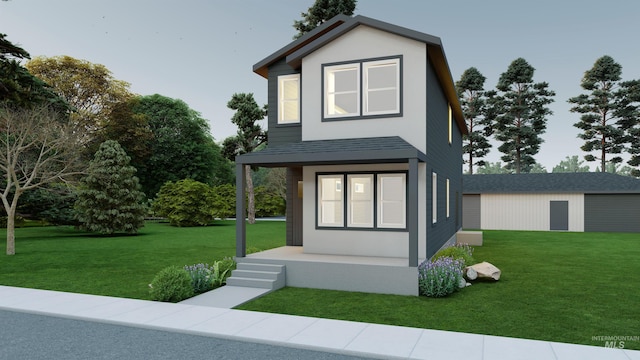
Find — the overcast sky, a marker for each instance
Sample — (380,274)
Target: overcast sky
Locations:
(202,51)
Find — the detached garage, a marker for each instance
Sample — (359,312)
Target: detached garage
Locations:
(553,201)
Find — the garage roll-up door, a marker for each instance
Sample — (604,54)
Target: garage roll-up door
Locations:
(612,212)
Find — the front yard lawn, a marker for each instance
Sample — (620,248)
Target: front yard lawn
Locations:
(65,259)
(565,287)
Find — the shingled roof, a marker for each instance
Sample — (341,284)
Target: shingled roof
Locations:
(388,149)
(589,183)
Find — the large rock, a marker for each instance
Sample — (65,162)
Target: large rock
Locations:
(482,271)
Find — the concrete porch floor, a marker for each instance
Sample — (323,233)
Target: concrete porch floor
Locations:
(297,253)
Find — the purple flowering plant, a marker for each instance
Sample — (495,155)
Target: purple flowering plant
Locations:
(440,277)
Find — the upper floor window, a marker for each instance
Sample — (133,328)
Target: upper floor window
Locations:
(289,99)
(362,88)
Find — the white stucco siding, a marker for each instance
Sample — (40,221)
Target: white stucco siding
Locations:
(528,211)
(354,242)
(367,43)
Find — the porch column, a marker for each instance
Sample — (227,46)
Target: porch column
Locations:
(241,211)
(412,215)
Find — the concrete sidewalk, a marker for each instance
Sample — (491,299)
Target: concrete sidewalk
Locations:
(344,337)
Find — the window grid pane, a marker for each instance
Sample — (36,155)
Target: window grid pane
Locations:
(392,201)
(382,81)
(360,205)
(289,99)
(342,88)
(330,201)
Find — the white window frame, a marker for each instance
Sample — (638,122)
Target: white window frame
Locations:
(336,203)
(448,199)
(330,93)
(382,224)
(450,125)
(434,197)
(351,202)
(395,62)
(282,99)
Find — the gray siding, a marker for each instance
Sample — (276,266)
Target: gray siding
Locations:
(471,212)
(612,212)
(446,161)
(280,134)
(294,207)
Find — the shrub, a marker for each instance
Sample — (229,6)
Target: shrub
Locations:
(224,201)
(185,203)
(200,277)
(18,221)
(205,277)
(171,284)
(440,277)
(462,252)
(221,270)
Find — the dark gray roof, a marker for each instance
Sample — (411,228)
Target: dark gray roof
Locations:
(589,183)
(391,149)
(341,24)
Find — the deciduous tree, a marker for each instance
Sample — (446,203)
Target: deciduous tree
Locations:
(182,147)
(571,164)
(471,92)
(89,88)
(519,110)
(109,199)
(249,136)
(37,147)
(321,11)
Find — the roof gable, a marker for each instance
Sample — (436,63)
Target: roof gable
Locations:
(589,183)
(341,24)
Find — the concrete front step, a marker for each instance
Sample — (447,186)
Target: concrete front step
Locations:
(258,275)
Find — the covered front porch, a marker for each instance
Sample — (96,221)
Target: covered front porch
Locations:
(330,268)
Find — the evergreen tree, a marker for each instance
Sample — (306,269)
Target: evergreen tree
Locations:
(629,113)
(471,92)
(600,119)
(519,110)
(321,11)
(110,199)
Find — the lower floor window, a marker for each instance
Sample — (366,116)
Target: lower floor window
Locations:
(367,201)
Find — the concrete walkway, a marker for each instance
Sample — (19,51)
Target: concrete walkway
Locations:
(345,337)
(226,297)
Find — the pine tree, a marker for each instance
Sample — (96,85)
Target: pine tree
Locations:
(600,111)
(519,110)
(109,199)
(321,11)
(471,92)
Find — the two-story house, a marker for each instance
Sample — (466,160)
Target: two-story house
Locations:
(364,116)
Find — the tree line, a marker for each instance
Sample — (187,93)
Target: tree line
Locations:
(74,139)
(516,115)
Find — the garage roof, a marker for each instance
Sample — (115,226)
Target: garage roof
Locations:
(588,183)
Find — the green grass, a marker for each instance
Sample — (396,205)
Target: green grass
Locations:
(564,287)
(65,259)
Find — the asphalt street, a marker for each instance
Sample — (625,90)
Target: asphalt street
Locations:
(34,337)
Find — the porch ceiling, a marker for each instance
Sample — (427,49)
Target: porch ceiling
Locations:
(391,149)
